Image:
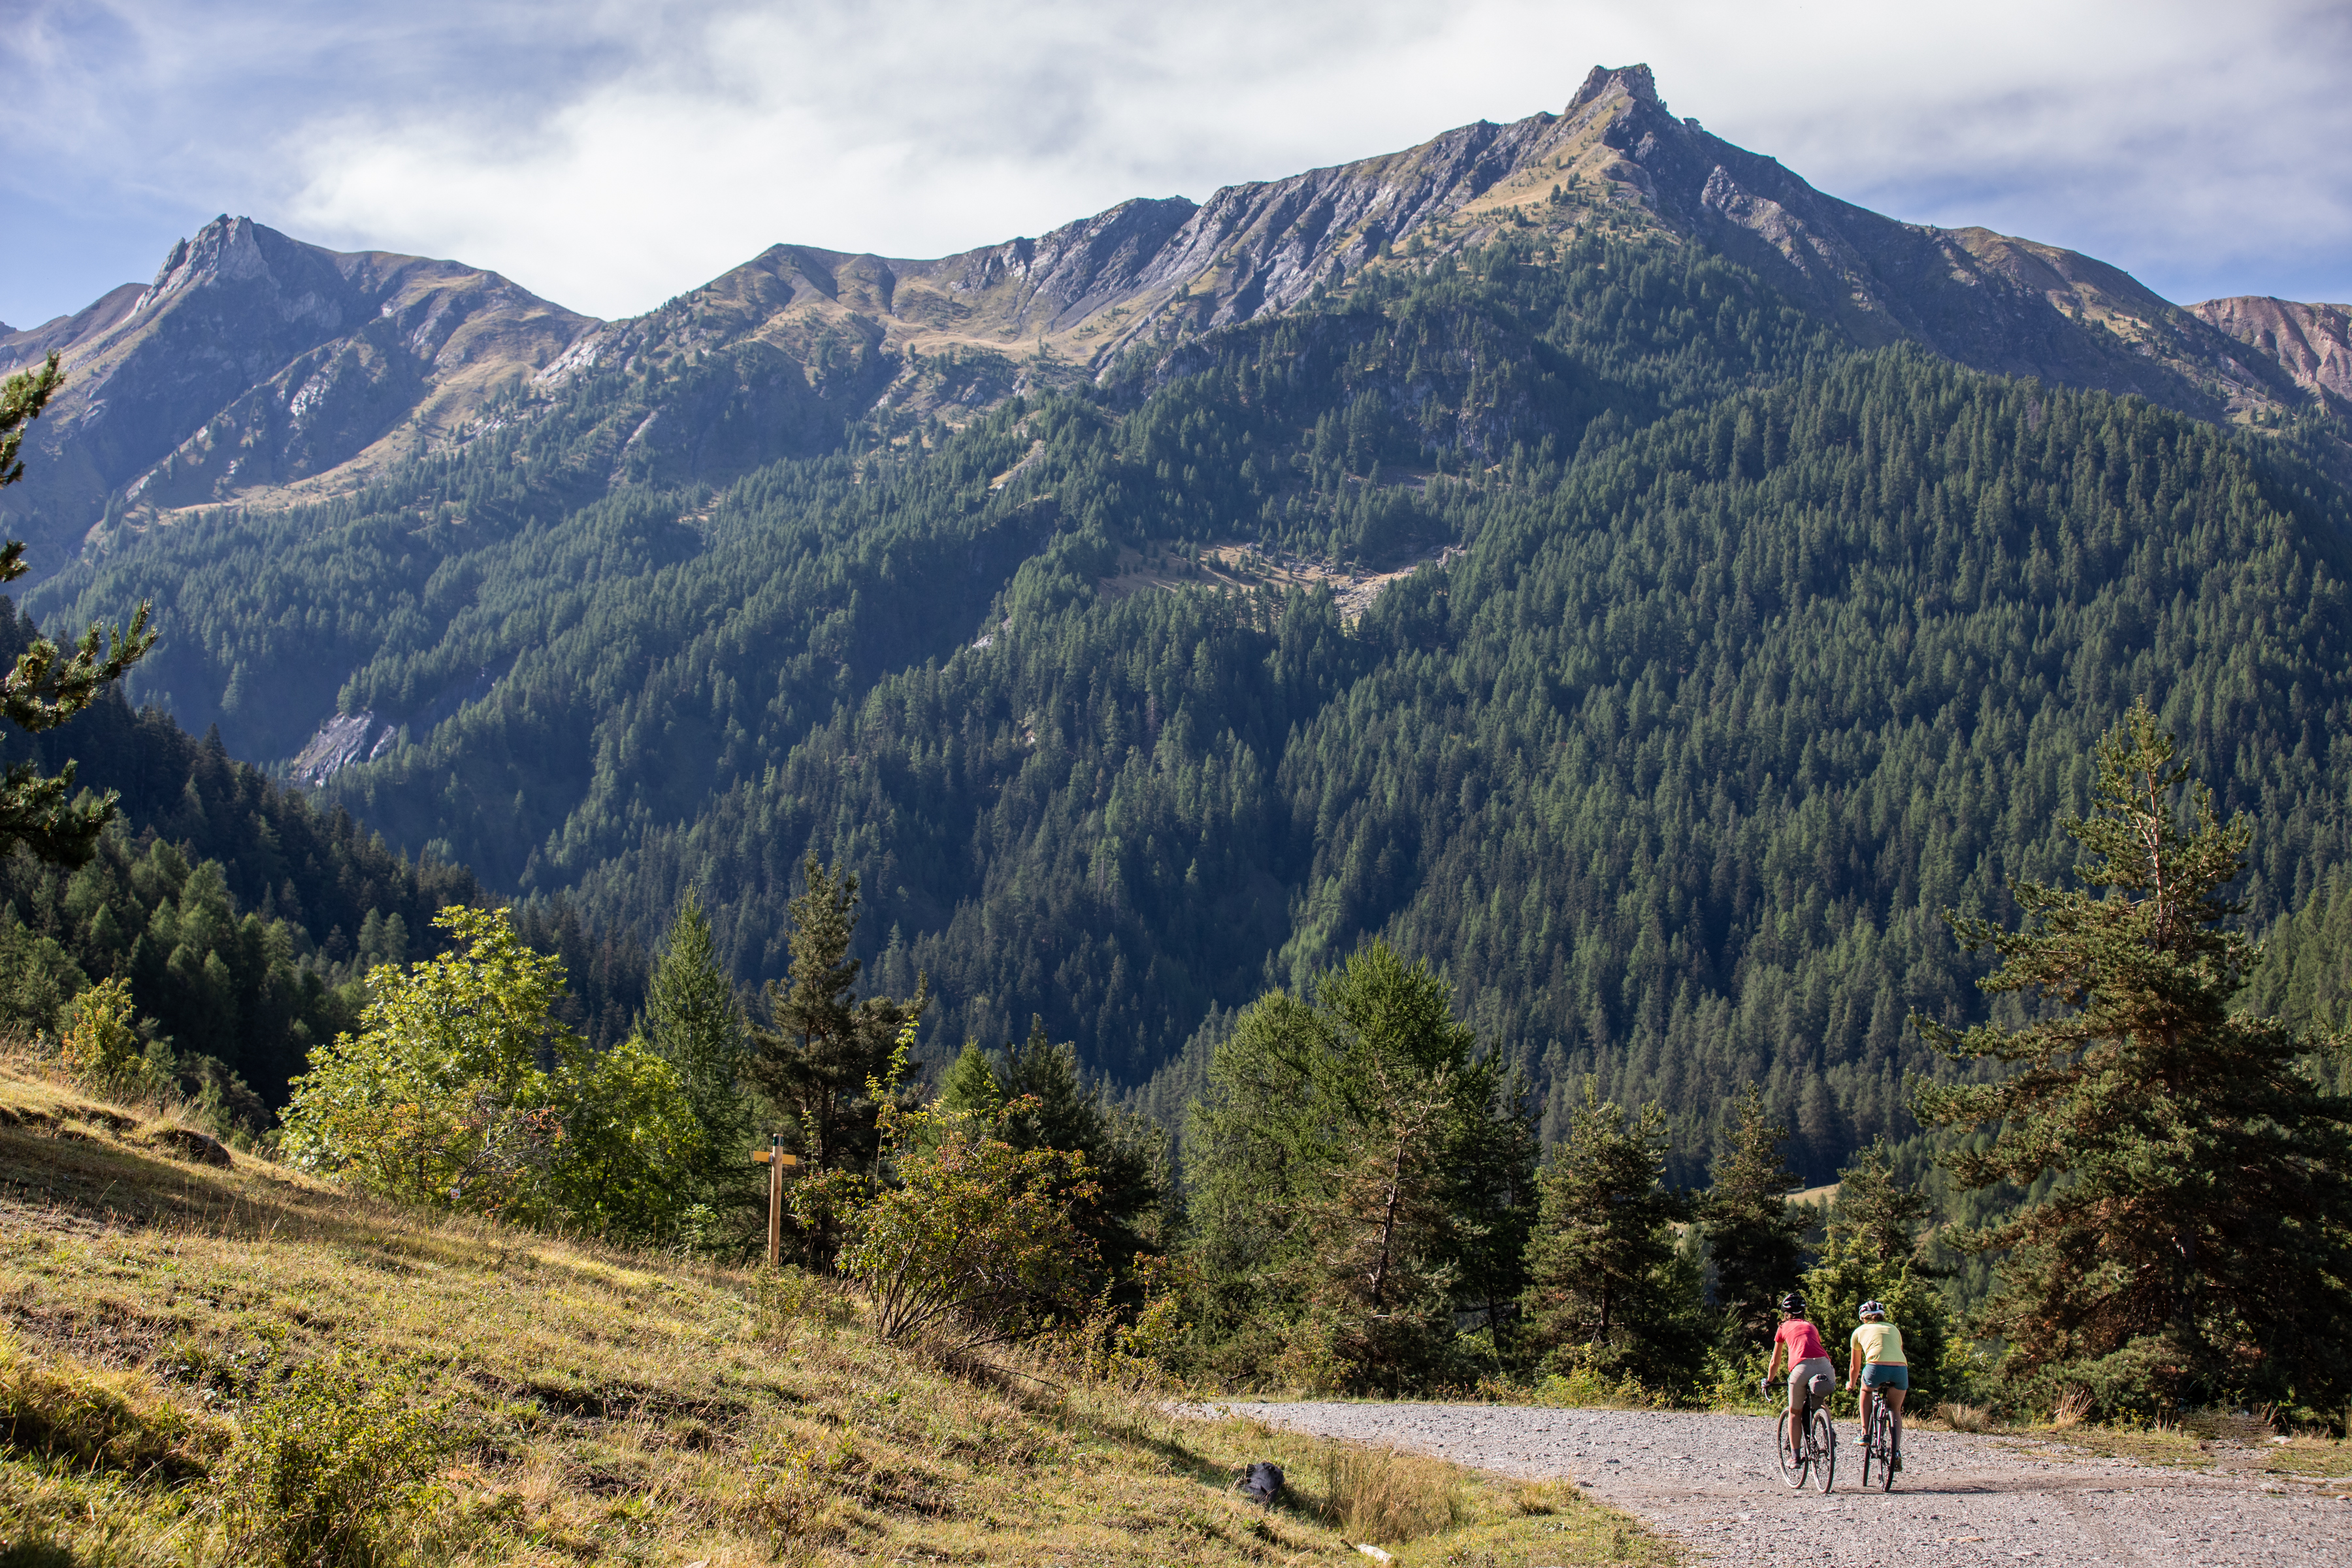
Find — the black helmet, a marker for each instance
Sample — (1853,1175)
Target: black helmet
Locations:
(1793,1304)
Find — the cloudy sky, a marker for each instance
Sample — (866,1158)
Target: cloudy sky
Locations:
(610,154)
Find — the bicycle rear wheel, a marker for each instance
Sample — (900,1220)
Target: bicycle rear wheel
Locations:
(1885,1425)
(1824,1451)
(1792,1459)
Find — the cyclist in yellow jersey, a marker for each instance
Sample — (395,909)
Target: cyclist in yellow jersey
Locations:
(1877,1366)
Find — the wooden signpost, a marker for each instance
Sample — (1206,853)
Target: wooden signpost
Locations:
(778,1163)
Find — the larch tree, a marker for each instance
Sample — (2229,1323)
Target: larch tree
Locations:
(2196,1241)
(1348,1164)
(694,1023)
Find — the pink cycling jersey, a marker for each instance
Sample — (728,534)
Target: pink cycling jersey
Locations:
(1804,1339)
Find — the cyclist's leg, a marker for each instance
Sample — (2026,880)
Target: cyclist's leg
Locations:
(1894,1397)
(1800,1394)
(1795,1420)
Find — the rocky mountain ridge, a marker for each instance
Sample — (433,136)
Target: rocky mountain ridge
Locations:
(261,370)
(257,367)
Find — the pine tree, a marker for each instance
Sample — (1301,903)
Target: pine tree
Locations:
(41,693)
(1754,1235)
(2198,1243)
(1603,1286)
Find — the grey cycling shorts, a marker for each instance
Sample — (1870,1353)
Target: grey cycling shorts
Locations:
(1802,1373)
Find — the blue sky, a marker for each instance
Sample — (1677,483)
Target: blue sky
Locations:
(609,155)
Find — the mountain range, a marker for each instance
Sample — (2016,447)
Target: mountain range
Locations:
(1575,550)
(262,371)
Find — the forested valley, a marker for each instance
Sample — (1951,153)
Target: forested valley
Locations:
(1759,654)
(1718,664)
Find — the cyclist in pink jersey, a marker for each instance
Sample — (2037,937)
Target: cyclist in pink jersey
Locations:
(1807,1358)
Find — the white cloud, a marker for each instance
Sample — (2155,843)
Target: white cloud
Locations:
(611,155)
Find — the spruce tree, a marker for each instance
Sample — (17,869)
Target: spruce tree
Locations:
(46,688)
(1755,1237)
(2197,1242)
(1604,1285)
(1126,1156)
(826,1046)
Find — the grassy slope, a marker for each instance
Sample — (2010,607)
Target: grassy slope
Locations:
(605,1407)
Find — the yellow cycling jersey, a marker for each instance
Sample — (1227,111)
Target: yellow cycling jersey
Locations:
(1881,1344)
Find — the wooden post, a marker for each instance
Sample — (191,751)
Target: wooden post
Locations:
(776,1199)
(778,1163)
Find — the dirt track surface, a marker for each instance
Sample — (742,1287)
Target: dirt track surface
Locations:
(1711,1484)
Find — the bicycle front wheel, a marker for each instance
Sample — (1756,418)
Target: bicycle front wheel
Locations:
(1824,1451)
(1792,1458)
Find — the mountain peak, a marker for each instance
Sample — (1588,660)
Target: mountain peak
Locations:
(1631,82)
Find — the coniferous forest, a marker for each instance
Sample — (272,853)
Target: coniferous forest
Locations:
(1614,842)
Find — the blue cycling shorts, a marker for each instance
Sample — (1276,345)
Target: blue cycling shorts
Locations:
(1886,1374)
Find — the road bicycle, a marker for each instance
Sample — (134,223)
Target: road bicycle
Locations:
(1813,1453)
(1878,1444)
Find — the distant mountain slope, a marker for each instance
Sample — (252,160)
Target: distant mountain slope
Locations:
(255,363)
(259,369)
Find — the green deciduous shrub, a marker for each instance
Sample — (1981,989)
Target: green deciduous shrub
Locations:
(463,1092)
(980,1244)
(326,1469)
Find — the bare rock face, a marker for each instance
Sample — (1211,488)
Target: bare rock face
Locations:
(2310,344)
(1998,303)
(343,739)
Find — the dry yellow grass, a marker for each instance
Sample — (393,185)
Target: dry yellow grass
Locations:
(605,1405)
(2311,1456)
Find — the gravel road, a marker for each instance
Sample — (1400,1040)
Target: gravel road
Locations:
(1711,1483)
